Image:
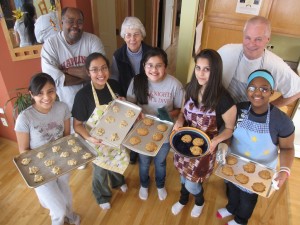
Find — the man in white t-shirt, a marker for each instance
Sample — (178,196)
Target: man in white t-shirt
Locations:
(239,60)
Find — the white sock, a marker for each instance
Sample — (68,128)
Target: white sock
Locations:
(124,188)
(162,193)
(143,193)
(105,205)
(232,222)
(222,213)
(196,211)
(177,207)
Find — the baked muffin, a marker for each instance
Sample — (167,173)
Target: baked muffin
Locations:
(151,147)
(196,150)
(134,140)
(198,142)
(162,127)
(186,138)
(142,131)
(157,136)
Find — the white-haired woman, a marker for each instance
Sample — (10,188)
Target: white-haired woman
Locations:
(126,62)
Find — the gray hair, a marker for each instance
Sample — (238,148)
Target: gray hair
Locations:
(259,20)
(132,22)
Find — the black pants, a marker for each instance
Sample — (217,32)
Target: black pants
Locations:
(184,196)
(133,156)
(240,203)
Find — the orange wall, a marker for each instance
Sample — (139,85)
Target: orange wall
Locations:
(17,74)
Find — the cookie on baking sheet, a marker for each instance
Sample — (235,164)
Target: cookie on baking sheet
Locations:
(33,170)
(116,109)
(72,162)
(142,131)
(162,127)
(130,113)
(196,150)
(242,178)
(38,178)
(71,142)
(76,149)
(231,160)
(26,161)
(49,162)
(258,187)
(64,154)
(123,123)
(151,147)
(56,148)
(114,137)
(87,155)
(56,170)
(186,138)
(100,131)
(148,121)
(134,140)
(40,155)
(264,174)
(227,170)
(198,142)
(249,167)
(157,136)
(109,119)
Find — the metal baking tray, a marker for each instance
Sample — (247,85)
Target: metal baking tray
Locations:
(253,177)
(59,161)
(140,148)
(114,127)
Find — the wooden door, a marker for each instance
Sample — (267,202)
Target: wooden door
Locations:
(167,23)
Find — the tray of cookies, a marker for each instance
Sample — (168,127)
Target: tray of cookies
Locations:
(248,174)
(116,122)
(148,135)
(190,142)
(45,163)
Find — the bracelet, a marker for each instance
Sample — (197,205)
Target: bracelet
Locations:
(284,170)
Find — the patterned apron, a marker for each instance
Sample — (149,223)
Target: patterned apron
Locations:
(252,140)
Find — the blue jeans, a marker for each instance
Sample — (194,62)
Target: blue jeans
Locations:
(160,167)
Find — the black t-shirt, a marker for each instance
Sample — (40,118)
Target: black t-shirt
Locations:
(84,103)
(280,124)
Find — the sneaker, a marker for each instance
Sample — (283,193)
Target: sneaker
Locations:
(81,167)
(176,208)
(196,211)
(105,206)
(232,222)
(222,213)
(124,188)
(143,193)
(162,193)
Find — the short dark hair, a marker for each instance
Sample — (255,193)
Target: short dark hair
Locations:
(93,56)
(65,9)
(38,81)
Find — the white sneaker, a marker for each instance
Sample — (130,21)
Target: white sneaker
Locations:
(196,211)
(105,205)
(81,167)
(176,208)
(162,193)
(143,193)
(124,188)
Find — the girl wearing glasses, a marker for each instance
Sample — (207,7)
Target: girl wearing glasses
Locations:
(151,90)
(99,92)
(260,129)
(208,107)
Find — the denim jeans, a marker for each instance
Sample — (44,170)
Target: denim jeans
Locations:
(160,167)
(101,189)
(195,189)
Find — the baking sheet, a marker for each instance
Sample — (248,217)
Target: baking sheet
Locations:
(140,148)
(59,161)
(253,177)
(114,127)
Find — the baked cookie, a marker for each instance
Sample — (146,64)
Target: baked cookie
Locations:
(49,162)
(242,178)
(100,131)
(249,167)
(186,138)
(56,170)
(38,178)
(26,161)
(231,160)
(76,149)
(258,187)
(162,127)
(123,123)
(130,113)
(64,154)
(87,155)
(227,170)
(56,148)
(134,140)
(40,155)
(198,142)
(264,174)
(72,162)
(196,150)
(151,147)
(114,137)
(157,136)
(71,142)
(142,131)
(33,169)
(148,121)
(116,109)
(109,119)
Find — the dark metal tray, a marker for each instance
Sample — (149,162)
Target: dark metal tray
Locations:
(140,148)
(114,127)
(253,177)
(59,161)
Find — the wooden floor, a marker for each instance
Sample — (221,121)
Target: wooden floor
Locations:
(19,204)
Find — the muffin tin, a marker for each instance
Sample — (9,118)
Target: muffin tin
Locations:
(140,148)
(253,177)
(50,155)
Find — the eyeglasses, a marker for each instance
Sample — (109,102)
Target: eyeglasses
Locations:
(150,66)
(205,69)
(261,89)
(129,35)
(103,69)
(72,22)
